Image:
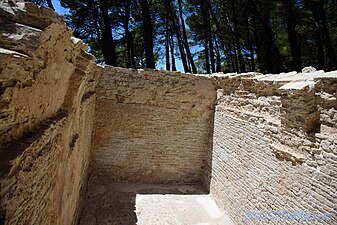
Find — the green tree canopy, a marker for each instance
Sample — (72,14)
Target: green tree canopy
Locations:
(208,35)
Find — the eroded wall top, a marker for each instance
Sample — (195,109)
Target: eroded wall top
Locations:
(275,147)
(306,101)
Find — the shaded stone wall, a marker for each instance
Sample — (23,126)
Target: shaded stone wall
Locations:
(275,149)
(151,126)
(47,84)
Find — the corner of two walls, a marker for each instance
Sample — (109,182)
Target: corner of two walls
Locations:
(47,107)
(149,126)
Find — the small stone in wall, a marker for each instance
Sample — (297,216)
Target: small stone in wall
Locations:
(220,93)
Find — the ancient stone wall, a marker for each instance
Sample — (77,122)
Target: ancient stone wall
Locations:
(47,84)
(152,126)
(261,144)
(275,148)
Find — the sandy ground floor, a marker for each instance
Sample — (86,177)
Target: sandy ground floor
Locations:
(127,204)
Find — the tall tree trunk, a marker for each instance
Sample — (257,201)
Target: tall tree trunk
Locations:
(208,68)
(127,33)
(171,42)
(132,51)
(211,49)
(209,35)
(108,44)
(179,40)
(205,23)
(182,53)
(50,5)
(237,38)
(187,47)
(328,46)
(167,42)
(167,53)
(292,35)
(218,57)
(219,31)
(318,39)
(148,34)
(269,52)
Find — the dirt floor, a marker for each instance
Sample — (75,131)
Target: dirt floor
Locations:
(127,204)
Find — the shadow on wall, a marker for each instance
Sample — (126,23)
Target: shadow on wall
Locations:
(152,126)
(207,165)
(2,216)
(121,203)
(12,150)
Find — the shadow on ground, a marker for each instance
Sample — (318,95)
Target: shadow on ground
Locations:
(144,204)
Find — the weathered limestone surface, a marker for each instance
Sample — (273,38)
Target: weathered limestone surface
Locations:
(275,148)
(47,82)
(151,126)
(259,143)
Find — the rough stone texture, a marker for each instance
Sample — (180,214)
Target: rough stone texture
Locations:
(299,106)
(256,142)
(326,98)
(266,155)
(47,82)
(151,126)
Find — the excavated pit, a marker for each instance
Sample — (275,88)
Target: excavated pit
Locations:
(88,144)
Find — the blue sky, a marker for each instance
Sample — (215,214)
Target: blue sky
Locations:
(160,64)
(58,7)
